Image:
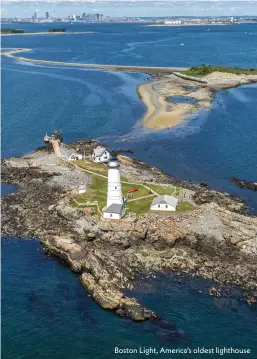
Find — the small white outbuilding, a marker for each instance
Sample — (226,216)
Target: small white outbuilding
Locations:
(164,203)
(82,189)
(114,211)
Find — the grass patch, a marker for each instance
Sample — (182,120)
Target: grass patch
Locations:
(204,70)
(142,191)
(185,206)
(139,207)
(97,191)
(100,168)
(171,190)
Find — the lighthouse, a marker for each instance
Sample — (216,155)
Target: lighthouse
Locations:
(115,208)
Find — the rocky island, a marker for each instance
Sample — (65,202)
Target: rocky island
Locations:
(214,238)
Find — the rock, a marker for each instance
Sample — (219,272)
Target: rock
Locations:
(108,299)
(235,240)
(140,231)
(209,264)
(244,184)
(91,236)
(88,281)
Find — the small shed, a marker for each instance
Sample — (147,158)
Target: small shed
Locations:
(100,155)
(114,211)
(164,203)
(75,156)
(82,189)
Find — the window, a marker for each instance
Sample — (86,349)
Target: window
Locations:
(111,215)
(115,187)
(98,159)
(105,157)
(159,205)
(166,206)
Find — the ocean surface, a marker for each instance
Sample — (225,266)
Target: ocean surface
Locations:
(45,311)
(46,314)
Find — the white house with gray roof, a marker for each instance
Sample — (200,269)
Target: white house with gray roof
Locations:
(114,211)
(100,155)
(164,203)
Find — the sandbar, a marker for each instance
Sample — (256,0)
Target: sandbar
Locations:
(156,94)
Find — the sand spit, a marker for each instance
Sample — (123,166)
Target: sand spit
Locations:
(50,33)
(151,70)
(162,112)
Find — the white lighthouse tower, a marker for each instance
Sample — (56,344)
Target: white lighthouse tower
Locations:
(115,208)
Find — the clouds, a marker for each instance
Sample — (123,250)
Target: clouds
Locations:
(134,7)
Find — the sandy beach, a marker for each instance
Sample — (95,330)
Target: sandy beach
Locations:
(162,113)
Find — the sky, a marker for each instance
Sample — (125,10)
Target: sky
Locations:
(168,8)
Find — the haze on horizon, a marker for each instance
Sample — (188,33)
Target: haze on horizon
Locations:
(148,8)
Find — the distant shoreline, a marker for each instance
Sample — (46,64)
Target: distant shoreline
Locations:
(176,25)
(50,33)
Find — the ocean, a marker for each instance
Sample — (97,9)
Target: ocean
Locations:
(45,311)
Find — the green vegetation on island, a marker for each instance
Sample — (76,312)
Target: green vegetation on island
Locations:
(12,31)
(204,70)
(140,201)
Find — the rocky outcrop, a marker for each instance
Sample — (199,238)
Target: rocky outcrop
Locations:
(215,242)
(244,184)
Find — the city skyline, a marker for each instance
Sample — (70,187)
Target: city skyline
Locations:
(23,9)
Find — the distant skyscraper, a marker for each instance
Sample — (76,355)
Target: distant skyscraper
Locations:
(74,17)
(97,17)
(83,15)
(35,16)
(47,15)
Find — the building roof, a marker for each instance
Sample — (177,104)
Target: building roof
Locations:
(113,208)
(165,199)
(98,151)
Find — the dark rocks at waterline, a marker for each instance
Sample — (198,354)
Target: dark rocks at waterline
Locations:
(244,183)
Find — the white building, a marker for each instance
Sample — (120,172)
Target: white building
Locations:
(75,156)
(114,211)
(172,22)
(100,155)
(82,189)
(164,203)
(116,207)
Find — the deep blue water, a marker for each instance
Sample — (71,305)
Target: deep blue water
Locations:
(132,44)
(46,313)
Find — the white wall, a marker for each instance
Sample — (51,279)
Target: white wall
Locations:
(111,215)
(100,159)
(114,193)
(162,207)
